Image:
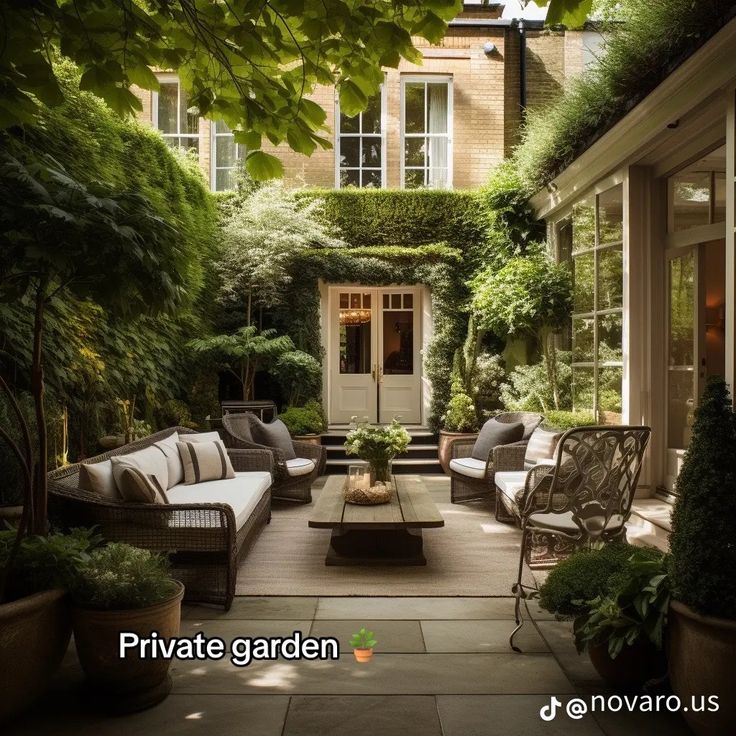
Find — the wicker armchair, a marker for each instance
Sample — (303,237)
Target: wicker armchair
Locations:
(202,539)
(288,485)
(584,496)
(476,480)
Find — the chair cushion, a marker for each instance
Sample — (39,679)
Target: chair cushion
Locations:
(542,445)
(299,466)
(204,461)
(98,478)
(274,434)
(173,460)
(242,493)
(136,487)
(200,437)
(470,467)
(564,522)
(511,483)
(150,461)
(494,433)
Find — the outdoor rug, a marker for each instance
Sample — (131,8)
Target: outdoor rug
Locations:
(472,555)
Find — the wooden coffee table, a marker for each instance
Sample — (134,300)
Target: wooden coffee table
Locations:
(385,534)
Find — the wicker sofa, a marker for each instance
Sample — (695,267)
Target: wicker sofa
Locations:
(205,541)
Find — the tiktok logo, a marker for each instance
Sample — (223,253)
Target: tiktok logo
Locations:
(548,712)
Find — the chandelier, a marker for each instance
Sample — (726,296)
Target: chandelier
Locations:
(355,316)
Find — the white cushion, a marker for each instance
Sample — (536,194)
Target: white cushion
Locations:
(242,493)
(171,452)
(510,482)
(150,461)
(542,445)
(299,466)
(98,478)
(565,523)
(200,437)
(469,466)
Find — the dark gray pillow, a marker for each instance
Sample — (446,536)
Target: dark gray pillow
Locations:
(274,434)
(493,434)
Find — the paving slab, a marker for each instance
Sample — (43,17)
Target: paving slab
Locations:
(392,636)
(399,674)
(507,715)
(479,636)
(255,607)
(388,715)
(415,608)
(228,629)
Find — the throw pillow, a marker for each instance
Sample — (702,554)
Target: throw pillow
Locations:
(173,461)
(495,433)
(542,446)
(151,461)
(205,461)
(137,487)
(98,478)
(200,437)
(274,434)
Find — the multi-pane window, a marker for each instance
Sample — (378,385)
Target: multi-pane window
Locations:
(227,157)
(179,126)
(426,133)
(360,154)
(593,241)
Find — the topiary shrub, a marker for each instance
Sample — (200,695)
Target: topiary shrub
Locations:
(460,415)
(702,539)
(586,574)
(302,420)
(569,419)
(299,376)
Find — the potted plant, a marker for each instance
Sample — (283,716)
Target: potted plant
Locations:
(377,445)
(459,421)
(362,643)
(118,589)
(617,595)
(702,630)
(35,621)
(305,423)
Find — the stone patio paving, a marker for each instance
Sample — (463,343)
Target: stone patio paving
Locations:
(442,668)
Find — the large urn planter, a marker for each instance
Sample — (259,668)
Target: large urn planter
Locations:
(34,635)
(634,666)
(702,658)
(312,439)
(444,450)
(130,684)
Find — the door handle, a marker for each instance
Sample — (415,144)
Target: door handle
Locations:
(380,374)
(373,373)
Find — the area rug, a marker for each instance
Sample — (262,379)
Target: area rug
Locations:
(472,555)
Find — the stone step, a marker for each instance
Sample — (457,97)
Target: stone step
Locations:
(404,465)
(649,523)
(428,451)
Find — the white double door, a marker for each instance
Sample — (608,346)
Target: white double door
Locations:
(374,354)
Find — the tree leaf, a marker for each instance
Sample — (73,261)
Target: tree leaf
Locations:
(569,13)
(262,166)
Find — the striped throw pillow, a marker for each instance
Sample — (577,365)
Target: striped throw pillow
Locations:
(204,461)
(542,445)
(137,487)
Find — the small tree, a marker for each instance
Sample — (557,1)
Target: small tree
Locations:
(244,353)
(261,235)
(300,377)
(702,538)
(527,296)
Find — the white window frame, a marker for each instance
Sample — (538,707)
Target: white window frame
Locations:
(169,79)
(424,79)
(360,135)
(214,168)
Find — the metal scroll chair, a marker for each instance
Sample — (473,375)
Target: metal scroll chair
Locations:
(584,497)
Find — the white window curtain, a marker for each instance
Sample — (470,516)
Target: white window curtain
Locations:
(437,124)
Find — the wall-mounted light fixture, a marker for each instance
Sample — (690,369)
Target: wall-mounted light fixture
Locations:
(489,48)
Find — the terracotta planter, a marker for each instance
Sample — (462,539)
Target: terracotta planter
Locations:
(362,654)
(130,684)
(702,656)
(444,450)
(312,439)
(632,668)
(34,635)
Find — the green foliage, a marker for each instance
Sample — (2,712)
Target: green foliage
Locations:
(569,419)
(529,388)
(262,231)
(45,563)
(244,353)
(363,639)
(633,608)
(175,413)
(586,574)
(406,217)
(702,540)
(251,65)
(461,415)
(120,577)
(299,376)
(649,40)
(303,420)
(489,377)
(376,444)
(569,13)
(522,297)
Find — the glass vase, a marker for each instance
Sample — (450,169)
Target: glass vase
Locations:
(380,471)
